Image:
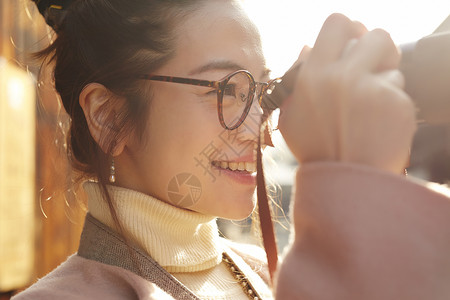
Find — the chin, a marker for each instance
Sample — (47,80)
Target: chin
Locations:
(239,209)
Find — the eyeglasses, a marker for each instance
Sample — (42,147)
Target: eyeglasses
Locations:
(235,94)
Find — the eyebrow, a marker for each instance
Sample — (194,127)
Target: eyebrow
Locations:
(217,65)
(224,65)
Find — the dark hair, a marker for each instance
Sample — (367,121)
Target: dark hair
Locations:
(111,42)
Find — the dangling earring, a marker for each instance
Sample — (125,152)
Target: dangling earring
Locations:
(112,172)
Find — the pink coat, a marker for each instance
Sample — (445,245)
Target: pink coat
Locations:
(367,234)
(80,279)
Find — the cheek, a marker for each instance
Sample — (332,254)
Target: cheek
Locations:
(178,135)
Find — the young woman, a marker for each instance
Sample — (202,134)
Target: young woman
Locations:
(162,154)
(164,130)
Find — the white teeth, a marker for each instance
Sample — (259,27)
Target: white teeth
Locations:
(241,166)
(233,166)
(250,166)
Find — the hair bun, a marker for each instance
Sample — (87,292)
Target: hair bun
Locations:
(53,11)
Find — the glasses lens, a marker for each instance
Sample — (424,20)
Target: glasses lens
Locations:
(237,97)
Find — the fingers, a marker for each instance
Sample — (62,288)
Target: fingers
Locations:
(374,51)
(395,77)
(304,54)
(367,51)
(333,37)
(348,103)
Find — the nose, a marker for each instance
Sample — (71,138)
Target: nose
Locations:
(260,115)
(249,129)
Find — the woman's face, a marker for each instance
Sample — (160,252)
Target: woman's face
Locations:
(183,138)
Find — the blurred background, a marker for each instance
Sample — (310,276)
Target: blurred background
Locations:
(40,218)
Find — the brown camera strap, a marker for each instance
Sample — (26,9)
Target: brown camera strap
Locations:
(265,217)
(271,102)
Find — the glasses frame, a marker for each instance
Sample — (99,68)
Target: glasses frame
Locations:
(220,86)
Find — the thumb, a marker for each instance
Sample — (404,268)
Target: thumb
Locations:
(304,54)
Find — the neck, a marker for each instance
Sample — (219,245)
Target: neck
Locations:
(179,240)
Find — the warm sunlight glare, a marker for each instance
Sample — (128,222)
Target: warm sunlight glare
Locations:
(287,25)
(15,92)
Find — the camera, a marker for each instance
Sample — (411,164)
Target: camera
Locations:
(425,65)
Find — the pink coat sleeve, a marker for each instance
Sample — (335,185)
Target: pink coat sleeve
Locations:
(361,233)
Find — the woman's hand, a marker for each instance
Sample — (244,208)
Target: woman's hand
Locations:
(348,103)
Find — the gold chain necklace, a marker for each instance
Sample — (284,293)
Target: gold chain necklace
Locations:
(248,288)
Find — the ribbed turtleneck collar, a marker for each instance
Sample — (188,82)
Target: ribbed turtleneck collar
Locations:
(179,240)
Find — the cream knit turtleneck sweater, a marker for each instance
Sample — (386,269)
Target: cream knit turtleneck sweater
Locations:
(185,243)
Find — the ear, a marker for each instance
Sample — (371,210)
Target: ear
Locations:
(100,106)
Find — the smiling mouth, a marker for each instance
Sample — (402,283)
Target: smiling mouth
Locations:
(248,167)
